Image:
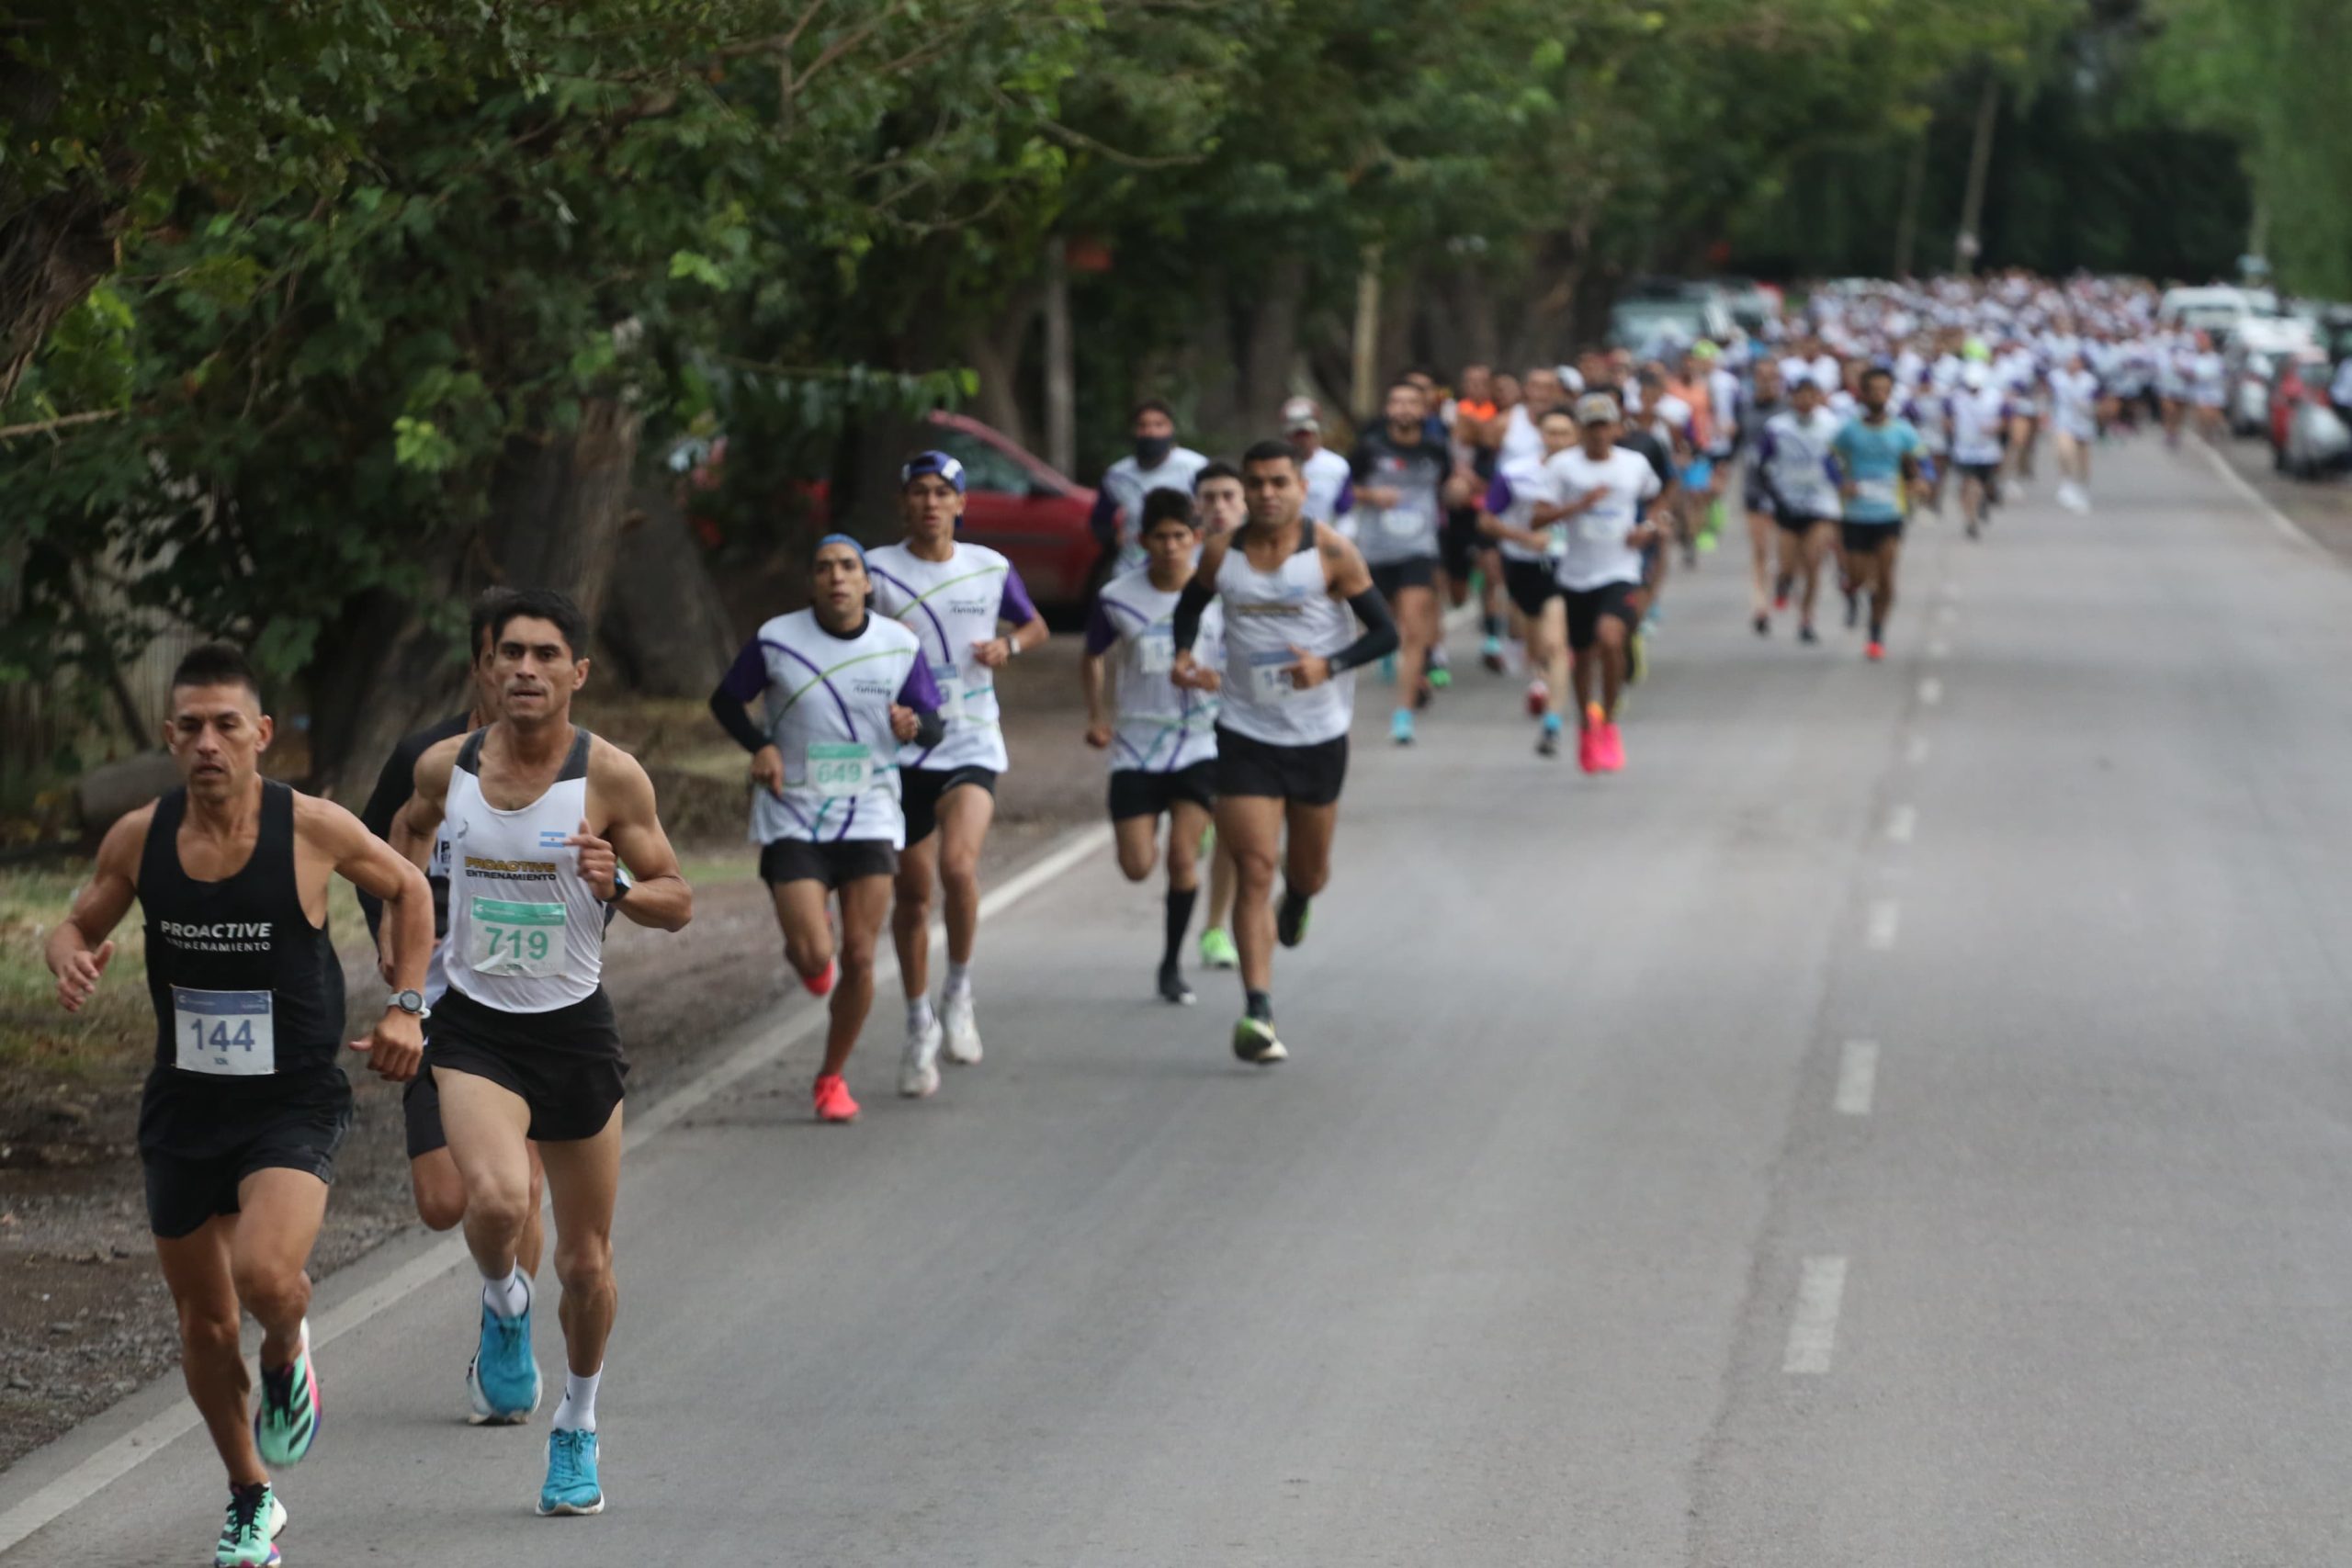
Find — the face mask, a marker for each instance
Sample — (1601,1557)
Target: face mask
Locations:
(1152,450)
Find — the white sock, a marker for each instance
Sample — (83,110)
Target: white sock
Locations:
(510,1297)
(918,1016)
(959,979)
(578,1411)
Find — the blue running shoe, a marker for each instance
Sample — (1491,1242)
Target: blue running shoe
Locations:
(1400,727)
(571,1475)
(503,1378)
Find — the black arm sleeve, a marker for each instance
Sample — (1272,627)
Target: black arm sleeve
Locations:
(393,787)
(931,727)
(1191,604)
(736,719)
(1379,639)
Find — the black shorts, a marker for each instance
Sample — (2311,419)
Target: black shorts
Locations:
(421,1114)
(1531,584)
(1143,792)
(1460,541)
(1304,775)
(1799,523)
(920,789)
(1986,474)
(200,1137)
(1586,607)
(565,1064)
(1389,577)
(1864,539)
(832,864)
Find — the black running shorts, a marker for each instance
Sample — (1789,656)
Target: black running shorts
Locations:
(565,1065)
(1391,577)
(1146,791)
(1864,539)
(1586,607)
(1302,775)
(920,789)
(199,1137)
(832,864)
(1531,584)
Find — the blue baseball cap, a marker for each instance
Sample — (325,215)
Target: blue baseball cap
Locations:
(939,463)
(838,539)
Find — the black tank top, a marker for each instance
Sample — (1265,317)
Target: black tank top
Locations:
(242,984)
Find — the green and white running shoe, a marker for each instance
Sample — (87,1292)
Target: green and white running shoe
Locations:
(571,1474)
(1254,1042)
(249,1535)
(1217,951)
(288,1419)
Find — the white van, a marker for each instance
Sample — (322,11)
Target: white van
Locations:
(2217,310)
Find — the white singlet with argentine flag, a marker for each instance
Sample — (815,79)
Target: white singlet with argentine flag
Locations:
(1519,482)
(827,700)
(527,932)
(1160,727)
(1267,614)
(952,606)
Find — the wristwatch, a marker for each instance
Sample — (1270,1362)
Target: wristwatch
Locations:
(411,1003)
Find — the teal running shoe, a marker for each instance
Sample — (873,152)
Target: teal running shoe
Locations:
(571,1475)
(287,1422)
(1400,727)
(1217,951)
(249,1535)
(503,1379)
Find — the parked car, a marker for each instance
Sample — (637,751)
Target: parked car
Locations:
(2216,310)
(1016,504)
(2251,361)
(1656,310)
(2307,436)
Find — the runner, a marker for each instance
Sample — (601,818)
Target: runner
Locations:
(1162,737)
(1530,559)
(1156,463)
(953,597)
(840,688)
(1924,407)
(1771,554)
(1220,508)
(247,1102)
(2074,399)
(1879,456)
(1792,471)
(1282,732)
(1400,478)
(542,815)
(2209,389)
(434,1183)
(1639,434)
(1602,487)
(1475,422)
(1331,488)
(1977,412)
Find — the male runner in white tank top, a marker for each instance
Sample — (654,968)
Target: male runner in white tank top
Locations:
(525,1047)
(1285,586)
(1219,508)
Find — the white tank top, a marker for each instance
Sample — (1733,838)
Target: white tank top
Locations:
(1266,615)
(527,934)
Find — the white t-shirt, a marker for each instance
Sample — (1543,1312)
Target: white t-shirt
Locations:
(1598,554)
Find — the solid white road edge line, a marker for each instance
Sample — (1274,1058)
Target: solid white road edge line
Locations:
(1856,1078)
(1813,1332)
(124,1454)
(2288,527)
(1886,916)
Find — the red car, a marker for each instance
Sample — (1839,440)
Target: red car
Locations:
(1017,504)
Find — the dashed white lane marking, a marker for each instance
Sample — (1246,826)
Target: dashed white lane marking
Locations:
(1939,649)
(1856,1078)
(1917,752)
(1813,1332)
(2286,527)
(1885,917)
(143,1442)
(1947,614)
(1902,823)
(1931,691)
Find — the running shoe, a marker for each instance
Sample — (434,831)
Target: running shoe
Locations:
(1439,677)
(1388,667)
(1611,749)
(1874,652)
(1974,529)
(1217,951)
(1588,750)
(1490,654)
(1783,586)
(833,1104)
(1400,727)
(249,1535)
(918,1062)
(1290,918)
(822,984)
(503,1378)
(1547,742)
(1806,634)
(1853,609)
(1763,624)
(571,1472)
(1708,540)
(1637,658)
(963,1030)
(1253,1041)
(288,1421)
(1539,697)
(1172,989)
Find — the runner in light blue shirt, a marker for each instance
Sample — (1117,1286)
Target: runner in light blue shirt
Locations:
(1878,461)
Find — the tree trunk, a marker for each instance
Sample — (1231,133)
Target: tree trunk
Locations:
(1971,244)
(1473,317)
(54,250)
(1270,343)
(558,503)
(1061,362)
(665,621)
(994,352)
(377,673)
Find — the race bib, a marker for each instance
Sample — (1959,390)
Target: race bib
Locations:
(522,942)
(1878,492)
(1270,676)
(1401,522)
(227,1033)
(949,679)
(1156,651)
(839,770)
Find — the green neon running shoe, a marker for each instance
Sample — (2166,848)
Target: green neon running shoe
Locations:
(1217,951)
(287,1420)
(249,1535)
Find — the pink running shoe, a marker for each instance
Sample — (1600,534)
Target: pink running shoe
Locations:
(1611,752)
(1588,750)
(833,1103)
(822,984)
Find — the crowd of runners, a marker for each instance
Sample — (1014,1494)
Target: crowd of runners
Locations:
(1222,656)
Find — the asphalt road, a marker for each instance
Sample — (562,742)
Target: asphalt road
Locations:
(1901,1120)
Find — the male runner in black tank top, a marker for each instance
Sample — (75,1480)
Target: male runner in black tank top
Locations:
(247,1102)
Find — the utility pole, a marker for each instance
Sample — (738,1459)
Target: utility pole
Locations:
(1062,388)
(1980,161)
(1367,345)
(1906,223)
